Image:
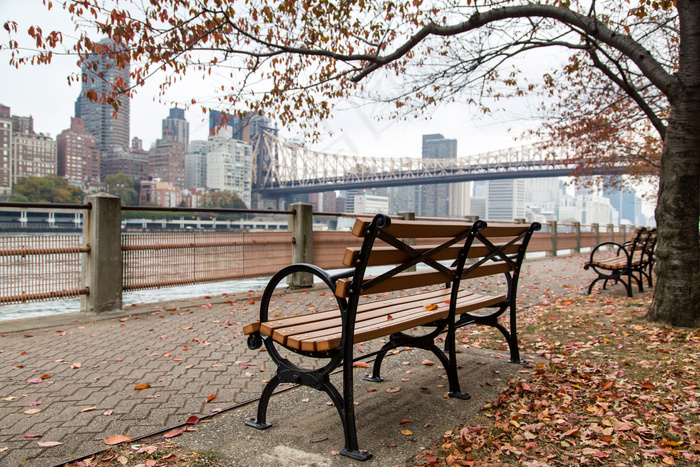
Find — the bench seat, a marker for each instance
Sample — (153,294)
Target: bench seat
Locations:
(318,332)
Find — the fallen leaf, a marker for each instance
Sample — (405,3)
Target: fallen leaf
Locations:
(211,398)
(87,409)
(113,440)
(404,421)
(361,365)
(75,366)
(174,432)
(390,390)
(431,307)
(427,363)
(32,411)
(406,432)
(34,380)
(192,420)
(108,412)
(33,436)
(48,444)
(138,387)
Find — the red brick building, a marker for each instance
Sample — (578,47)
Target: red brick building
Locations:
(78,159)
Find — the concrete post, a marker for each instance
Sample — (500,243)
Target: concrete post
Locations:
(471,218)
(301,225)
(520,220)
(577,231)
(101,270)
(611,231)
(596,233)
(553,232)
(623,229)
(409,216)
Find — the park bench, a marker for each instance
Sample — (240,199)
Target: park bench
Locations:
(632,260)
(430,299)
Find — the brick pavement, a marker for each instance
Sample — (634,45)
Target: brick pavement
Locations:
(186,350)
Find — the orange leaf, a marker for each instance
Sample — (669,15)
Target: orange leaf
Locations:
(404,421)
(174,432)
(427,363)
(406,432)
(361,364)
(45,376)
(138,387)
(211,398)
(119,439)
(606,386)
(431,307)
(671,443)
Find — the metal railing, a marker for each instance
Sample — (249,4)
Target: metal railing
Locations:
(44,267)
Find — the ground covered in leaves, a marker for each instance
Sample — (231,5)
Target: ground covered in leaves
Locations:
(608,388)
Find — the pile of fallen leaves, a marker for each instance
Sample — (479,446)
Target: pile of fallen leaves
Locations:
(606,388)
(155,454)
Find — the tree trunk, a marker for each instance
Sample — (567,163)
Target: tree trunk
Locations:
(677,290)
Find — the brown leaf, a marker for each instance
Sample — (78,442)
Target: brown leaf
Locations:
(174,432)
(192,420)
(138,387)
(404,421)
(118,439)
(211,398)
(48,444)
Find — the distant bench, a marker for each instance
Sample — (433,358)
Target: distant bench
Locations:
(494,250)
(632,260)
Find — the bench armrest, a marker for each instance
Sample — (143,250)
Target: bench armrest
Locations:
(254,339)
(614,244)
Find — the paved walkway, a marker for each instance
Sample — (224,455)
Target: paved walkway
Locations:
(72,379)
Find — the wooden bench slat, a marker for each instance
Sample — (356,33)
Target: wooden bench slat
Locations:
(382,327)
(414,229)
(410,280)
(333,320)
(382,256)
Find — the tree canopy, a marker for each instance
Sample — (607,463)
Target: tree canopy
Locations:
(222,199)
(48,189)
(628,97)
(123,186)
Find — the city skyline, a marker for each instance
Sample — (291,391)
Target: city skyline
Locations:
(50,100)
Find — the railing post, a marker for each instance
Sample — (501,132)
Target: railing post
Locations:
(101,270)
(596,233)
(409,216)
(623,230)
(577,231)
(611,231)
(301,224)
(553,230)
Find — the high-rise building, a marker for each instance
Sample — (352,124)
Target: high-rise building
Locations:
(32,154)
(179,126)
(196,164)
(78,159)
(166,161)
(628,204)
(230,167)
(131,161)
(435,199)
(100,72)
(5,149)
(505,200)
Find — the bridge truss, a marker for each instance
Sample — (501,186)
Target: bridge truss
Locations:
(285,167)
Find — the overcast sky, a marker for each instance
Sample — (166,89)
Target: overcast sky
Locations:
(43,92)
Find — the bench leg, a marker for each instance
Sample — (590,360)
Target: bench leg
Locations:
(377,367)
(260,422)
(450,363)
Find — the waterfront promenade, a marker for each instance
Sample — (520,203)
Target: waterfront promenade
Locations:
(72,379)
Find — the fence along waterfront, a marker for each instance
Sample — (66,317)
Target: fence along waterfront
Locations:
(37,268)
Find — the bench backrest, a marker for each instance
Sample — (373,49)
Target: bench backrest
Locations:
(495,248)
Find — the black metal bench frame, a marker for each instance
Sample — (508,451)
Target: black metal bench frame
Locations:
(319,378)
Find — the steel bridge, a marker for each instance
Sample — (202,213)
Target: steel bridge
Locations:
(284,167)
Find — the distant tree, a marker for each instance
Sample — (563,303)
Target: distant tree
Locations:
(222,199)
(123,186)
(48,189)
